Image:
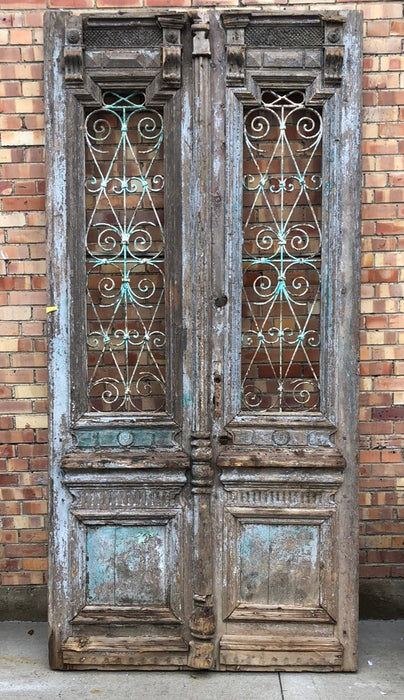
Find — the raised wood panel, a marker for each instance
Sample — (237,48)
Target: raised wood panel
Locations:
(272,653)
(107,653)
(127,565)
(114,615)
(281,613)
(279,564)
(279,560)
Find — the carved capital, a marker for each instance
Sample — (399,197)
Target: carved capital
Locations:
(172,49)
(333,61)
(333,53)
(200,33)
(235,48)
(76,79)
(73,51)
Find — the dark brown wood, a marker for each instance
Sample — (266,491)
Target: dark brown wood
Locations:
(300,457)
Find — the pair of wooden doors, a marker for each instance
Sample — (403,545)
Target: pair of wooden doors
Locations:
(203,229)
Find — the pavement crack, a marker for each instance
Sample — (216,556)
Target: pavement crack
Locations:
(280,686)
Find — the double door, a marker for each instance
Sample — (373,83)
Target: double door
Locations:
(202,262)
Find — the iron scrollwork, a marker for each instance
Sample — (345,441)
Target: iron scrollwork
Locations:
(281,254)
(125,255)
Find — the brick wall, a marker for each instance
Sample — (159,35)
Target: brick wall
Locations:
(23,387)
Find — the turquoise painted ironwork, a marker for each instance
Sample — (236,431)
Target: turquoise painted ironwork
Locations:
(125,256)
(281,254)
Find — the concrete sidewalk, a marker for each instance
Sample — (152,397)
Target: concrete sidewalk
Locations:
(24,673)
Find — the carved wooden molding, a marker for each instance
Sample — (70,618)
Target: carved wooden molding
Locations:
(200,32)
(73,52)
(235,48)
(100,34)
(279,653)
(284,48)
(201,462)
(172,49)
(122,500)
(76,78)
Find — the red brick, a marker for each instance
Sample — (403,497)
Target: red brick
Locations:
(32,564)
(20,36)
(391,130)
(29,450)
(10,122)
(22,579)
(397,27)
(10,89)
(389,228)
(391,97)
(34,508)
(380,147)
(8,480)
(24,550)
(17,494)
(379,211)
(23,203)
(6,450)
(7,508)
(75,4)
(6,422)
(15,406)
(374,571)
(380,275)
(33,536)
(16,436)
(33,19)
(380,28)
(10,565)
(10,54)
(123,3)
(376,369)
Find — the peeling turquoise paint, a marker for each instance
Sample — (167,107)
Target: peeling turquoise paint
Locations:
(126,565)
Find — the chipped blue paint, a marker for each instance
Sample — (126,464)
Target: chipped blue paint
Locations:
(279,564)
(126,565)
(134,437)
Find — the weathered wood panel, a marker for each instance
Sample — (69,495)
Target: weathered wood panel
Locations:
(277,654)
(126,565)
(279,564)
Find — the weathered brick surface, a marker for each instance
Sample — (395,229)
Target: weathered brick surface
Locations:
(22,281)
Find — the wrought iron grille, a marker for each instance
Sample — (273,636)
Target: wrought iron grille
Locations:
(281,255)
(119,38)
(126,334)
(305,36)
